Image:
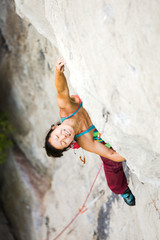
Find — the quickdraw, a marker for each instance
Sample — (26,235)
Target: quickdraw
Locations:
(83,159)
(81,209)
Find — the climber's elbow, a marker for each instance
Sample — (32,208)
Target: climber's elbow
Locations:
(117,157)
(106,152)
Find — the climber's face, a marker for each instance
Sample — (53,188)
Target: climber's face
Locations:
(62,136)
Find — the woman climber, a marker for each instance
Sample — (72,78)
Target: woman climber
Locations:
(77,130)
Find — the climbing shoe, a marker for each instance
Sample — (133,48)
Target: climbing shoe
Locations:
(129,197)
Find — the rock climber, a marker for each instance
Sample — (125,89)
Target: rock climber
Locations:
(76,130)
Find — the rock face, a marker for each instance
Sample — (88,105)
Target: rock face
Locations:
(22,193)
(113,62)
(4,228)
(112,55)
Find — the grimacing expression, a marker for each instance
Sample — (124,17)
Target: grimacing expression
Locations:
(62,136)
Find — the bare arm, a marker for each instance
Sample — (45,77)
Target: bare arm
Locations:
(104,151)
(61,84)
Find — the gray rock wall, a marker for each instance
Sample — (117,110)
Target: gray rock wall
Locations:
(112,53)
(112,56)
(6,234)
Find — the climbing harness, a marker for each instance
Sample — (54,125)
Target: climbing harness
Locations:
(84,208)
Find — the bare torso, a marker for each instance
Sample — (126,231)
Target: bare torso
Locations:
(81,120)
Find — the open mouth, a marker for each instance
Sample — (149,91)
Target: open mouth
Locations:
(67,132)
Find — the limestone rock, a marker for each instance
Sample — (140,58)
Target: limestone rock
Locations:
(5,232)
(112,56)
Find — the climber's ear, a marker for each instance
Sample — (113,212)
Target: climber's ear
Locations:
(53,127)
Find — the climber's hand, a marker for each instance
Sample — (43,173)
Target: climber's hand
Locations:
(60,65)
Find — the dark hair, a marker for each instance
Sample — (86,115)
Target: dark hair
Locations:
(50,150)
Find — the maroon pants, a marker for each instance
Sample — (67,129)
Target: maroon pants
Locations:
(115,176)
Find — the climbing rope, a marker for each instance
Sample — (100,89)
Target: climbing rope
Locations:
(84,208)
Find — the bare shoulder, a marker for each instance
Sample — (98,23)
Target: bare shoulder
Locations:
(68,104)
(89,144)
(86,141)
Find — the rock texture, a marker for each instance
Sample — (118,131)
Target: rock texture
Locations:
(22,193)
(5,232)
(112,55)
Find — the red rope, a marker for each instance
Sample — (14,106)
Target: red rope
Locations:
(83,206)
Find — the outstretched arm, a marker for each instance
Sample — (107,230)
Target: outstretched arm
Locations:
(60,79)
(104,151)
(61,84)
